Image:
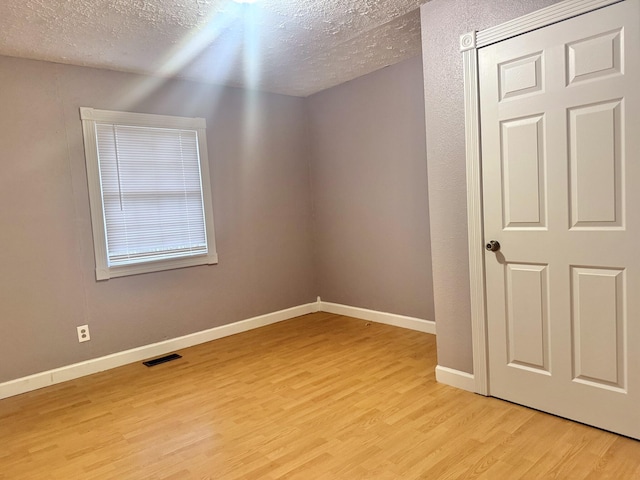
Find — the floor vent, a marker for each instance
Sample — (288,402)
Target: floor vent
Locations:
(158,361)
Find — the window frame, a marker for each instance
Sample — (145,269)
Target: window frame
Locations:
(90,117)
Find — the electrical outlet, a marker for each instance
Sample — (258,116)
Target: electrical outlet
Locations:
(83,333)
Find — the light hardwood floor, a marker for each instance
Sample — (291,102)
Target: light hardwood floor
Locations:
(317,397)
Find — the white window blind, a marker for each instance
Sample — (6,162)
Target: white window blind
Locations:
(153,205)
(151,193)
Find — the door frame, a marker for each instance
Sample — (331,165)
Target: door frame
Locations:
(470,43)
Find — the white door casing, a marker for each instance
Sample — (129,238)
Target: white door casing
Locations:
(560,127)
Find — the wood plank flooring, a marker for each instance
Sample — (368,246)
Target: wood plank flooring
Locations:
(317,397)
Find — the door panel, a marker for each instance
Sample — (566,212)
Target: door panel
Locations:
(560,133)
(521,76)
(594,57)
(528,316)
(523,172)
(599,340)
(596,167)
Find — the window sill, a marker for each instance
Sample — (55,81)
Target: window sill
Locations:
(157,266)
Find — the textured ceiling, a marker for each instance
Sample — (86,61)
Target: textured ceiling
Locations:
(295,47)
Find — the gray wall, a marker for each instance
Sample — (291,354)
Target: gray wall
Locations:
(258,146)
(443,21)
(369,184)
(364,241)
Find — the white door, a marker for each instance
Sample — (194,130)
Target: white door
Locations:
(560,131)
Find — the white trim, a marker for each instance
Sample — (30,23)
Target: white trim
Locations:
(142,119)
(318,304)
(455,378)
(59,375)
(412,323)
(474,220)
(469,45)
(468,41)
(89,367)
(539,19)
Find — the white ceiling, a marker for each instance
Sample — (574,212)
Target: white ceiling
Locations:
(294,47)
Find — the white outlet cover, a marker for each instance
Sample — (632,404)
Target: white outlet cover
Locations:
(83,333)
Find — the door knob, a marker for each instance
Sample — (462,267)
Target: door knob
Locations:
(493,246)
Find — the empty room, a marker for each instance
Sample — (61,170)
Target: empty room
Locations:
(269,239)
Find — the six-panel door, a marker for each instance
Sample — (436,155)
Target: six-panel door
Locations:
(560,131)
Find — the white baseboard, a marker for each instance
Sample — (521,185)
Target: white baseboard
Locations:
(456,378)
(59,375)
(426,326)
(70,372)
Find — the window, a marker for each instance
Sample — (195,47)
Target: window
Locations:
(149,191)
